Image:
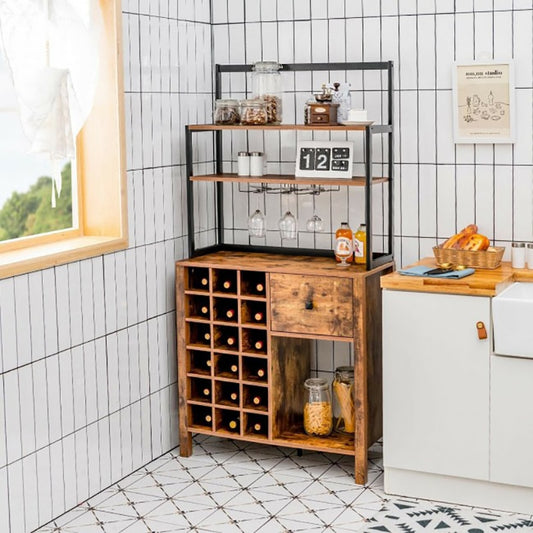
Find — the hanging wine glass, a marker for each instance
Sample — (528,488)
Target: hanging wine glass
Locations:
(257,221)
(288,226)
(315,223)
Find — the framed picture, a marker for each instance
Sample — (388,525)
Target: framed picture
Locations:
(483,102)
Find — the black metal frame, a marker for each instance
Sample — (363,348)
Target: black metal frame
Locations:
(372,259)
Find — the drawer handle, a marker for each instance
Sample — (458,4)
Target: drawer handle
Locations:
(309,304)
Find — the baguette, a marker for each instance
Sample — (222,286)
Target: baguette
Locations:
(454,240)
(474,243)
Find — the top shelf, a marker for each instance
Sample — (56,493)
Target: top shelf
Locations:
(374,128)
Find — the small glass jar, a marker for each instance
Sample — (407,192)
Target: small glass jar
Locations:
(318,413)
(344,400)
(253,112)
(226,112)
(266,85)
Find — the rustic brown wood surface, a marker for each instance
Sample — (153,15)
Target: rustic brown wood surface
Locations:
(272,127)
(483,282)
(181,343)
(311,304)
(290,367)
(356,181)
(348,308)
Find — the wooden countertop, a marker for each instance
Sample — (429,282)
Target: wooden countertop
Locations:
(294,264)
(483,282)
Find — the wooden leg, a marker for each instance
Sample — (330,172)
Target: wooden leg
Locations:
(361,458)
(185,444)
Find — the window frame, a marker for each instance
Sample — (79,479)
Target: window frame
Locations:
(101,173)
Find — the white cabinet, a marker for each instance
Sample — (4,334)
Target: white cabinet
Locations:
(436,384)
(511,420)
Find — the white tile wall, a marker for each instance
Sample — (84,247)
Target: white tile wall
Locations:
(442,186)
(87,351)
(87,367)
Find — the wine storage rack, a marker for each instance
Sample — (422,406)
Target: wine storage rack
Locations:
(243,360)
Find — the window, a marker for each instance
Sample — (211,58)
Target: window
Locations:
(98,221)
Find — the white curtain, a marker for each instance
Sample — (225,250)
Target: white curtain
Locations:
(51,47)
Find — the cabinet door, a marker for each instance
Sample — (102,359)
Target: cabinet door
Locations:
(436,383)
(511,418)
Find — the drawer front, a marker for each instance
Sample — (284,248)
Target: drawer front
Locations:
(311,304)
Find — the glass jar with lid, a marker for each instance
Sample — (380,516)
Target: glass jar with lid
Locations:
(266,85)
(226,111)
(318,413)
(253,112)
(344,399)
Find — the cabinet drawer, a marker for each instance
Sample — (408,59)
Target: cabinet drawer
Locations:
(311,304)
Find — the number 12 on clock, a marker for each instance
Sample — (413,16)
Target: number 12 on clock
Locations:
(324,159)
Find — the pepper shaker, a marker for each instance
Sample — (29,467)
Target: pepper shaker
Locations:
(518,254)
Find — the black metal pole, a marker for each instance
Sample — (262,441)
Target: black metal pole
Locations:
(390,90)
(368,196)
(219,187)
(190,189)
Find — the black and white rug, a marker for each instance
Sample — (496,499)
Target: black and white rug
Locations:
(404,516)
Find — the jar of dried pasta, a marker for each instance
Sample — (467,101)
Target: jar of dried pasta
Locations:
(318,412)
(344,399)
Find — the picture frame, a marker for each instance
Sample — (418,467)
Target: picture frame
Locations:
(484,102)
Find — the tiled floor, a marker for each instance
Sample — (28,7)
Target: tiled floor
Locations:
(231,486)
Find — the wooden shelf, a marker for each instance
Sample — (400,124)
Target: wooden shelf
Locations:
(277,127)
(284,179)
(336,442)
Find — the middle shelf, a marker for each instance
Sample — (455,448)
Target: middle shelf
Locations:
(357,181)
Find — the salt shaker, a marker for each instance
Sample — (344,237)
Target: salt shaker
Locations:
(529,255)
(518,254)
(243,164)
(256,163)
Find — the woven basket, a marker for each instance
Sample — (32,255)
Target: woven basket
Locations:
(490,258)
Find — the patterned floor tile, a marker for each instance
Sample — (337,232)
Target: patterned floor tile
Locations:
(231,486)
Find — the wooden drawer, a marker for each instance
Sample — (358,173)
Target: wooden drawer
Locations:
(311,304)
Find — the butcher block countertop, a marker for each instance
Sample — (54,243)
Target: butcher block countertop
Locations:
(483,282)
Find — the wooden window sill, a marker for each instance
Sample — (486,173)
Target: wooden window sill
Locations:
(57,253)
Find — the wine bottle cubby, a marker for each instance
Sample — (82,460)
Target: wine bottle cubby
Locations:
(226,310)
(255,397)
(255,369)
(228,421)
(199,362)
(253,313)
(225,281)
(241,376)
(199,334)
(254,341)
(198,279)
(198,307)
(227,366)
(201,416)
(256,425)
(226,338)
(201,390)
(253,284)
(227,393)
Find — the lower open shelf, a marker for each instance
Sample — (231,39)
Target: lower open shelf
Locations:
(296,438)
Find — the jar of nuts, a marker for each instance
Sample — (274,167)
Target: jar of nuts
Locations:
(318,412)
(266,84)
(226,112)
(253,112)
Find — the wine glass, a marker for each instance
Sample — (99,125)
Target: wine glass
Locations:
(288,226)
(257,221)
(315,223)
